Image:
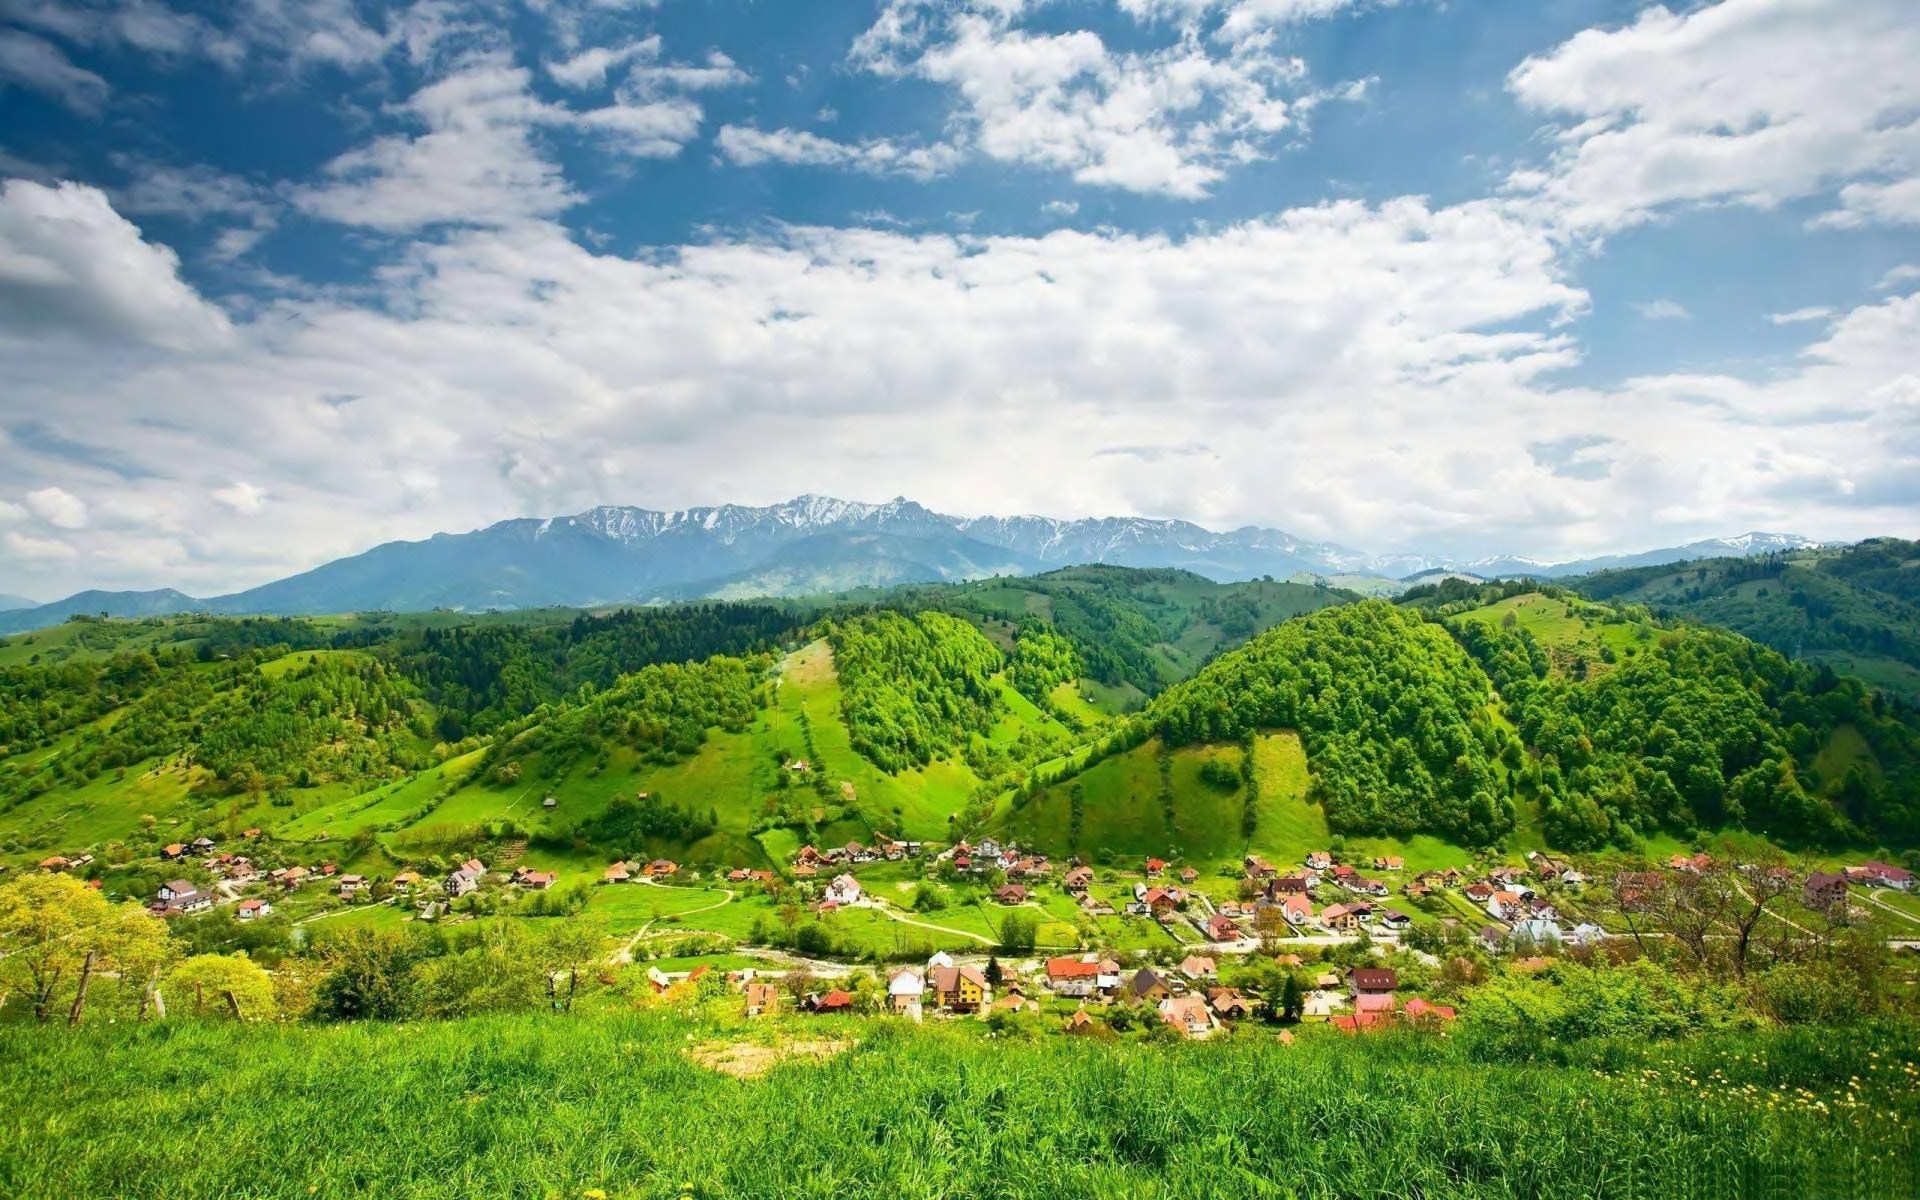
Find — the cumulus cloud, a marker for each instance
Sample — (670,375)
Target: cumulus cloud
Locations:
(72,266)
(29,549)
(58,507)
(1745,101)
(1171,120)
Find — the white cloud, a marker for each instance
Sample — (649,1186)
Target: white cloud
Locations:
(71,265)
(1745,101)
(1896,203)
(1815,312)
(241,497)
(1903,274)
(1060,208)
(746,146)
(1171,120)
(58,507)
(482,159)
(38,65)
(1662,310)
(589,68)
(29,549)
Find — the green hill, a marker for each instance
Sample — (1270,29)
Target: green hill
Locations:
(1855,609)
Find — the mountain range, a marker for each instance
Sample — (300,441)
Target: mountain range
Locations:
(811,544)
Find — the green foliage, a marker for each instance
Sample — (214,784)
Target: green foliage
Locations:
(913,688)
(1042,660)
(1395,717)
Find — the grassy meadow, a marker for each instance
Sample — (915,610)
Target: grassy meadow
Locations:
(619,1105)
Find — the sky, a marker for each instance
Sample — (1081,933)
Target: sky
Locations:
(284,279)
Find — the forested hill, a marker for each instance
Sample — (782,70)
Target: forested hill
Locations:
(1610,726)
(1856,609)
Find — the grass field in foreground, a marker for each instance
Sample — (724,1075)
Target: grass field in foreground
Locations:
(616,1105)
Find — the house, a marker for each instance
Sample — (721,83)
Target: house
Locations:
(835,1001)
(1107,982)
(173,850)
(1389,862)
(1298,910)
(253,832)
(1394,920)
(1342,918)
(1694,863)
(1189,1015)
(1319,860)
(1011,893)
(466,877)
(1078,880)
(1259,868)
(1344,874)
(663,868)
(1014,1002)
(1825,891)
(763,999)
(1538,930)
(406,881)
(55,863)
(1157,902)
(844,889)
(619,872)
(1419,1010)
(539,881)
(1375,1002)
(1366,887)
(1155,866)
(175,889)
(1879,874)
(1359,1023)
(1228,1004)
(249,909)
(202,845)
(1363,981)
(1072,977)
(1491,938)
(1196,966)
(1080,1022)
(904,990)
(176,902)
(1288,885)
(1220,928)
(1504,906)
(1586,934)
(958,989)
(1188,875)
(351,886)
(1145,985)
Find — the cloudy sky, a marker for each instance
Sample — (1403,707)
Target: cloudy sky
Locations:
(282,279)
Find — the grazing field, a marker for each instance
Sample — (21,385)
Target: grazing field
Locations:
(620,1105)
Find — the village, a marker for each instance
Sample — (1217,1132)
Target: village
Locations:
(1357,945)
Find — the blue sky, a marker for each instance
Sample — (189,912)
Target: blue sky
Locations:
(281,280)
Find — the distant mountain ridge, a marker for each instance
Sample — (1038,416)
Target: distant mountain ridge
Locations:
(625,555)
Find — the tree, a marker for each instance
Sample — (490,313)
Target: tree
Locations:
(570,945)
(233,984)
(56,929)
(1293,998)
(993,972)
(369,976)
(1017,933)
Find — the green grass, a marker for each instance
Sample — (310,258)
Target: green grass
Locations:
(539,1106)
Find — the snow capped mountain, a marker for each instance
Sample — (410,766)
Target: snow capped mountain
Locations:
(618,554)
